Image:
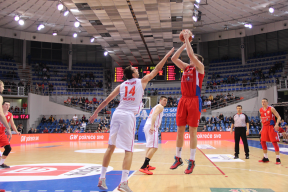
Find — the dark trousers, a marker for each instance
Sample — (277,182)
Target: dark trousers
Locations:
(241,132)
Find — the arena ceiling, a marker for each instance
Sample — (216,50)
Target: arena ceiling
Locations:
(138,31)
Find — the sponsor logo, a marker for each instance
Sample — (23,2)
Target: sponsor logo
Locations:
(77,137)
(29,138)
(52,171)
(117,150)
(222,158)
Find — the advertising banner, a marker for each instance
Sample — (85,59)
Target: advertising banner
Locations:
(200,136)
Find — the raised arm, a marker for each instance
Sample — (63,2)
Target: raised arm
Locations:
(199,66)
(112,95)
(175,59)
(155,71)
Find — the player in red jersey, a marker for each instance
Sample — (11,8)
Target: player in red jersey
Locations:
(190,104)
(269,131)
(5,117)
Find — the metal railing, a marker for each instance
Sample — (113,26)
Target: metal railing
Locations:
(16,90)
(283,84)
(79,92)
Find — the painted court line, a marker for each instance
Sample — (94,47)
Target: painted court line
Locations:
(211,161)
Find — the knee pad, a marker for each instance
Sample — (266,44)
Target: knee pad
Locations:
(264,146)
(7,150)
(276,146)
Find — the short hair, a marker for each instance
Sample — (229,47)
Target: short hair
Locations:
(163,97)
(265,99)
(5,102)
(1,82)
(200,58)
(128,72)
(239,106)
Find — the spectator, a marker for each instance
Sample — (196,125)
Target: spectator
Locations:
(221,117)
(214,128)
(43,120)
(61,121)
(31,130)
(108,117)
(89,131)
(283,124)
(35,131)
(106,121)
(228,128)
(204,128)
(252,123)
(208,103)
(45,130)
(83,125)
(24,106)
(221,129)
(55,130)
(210,98)
(51,119)
(75,118)
(76,130)
(72,122)
(94,100)
(84,118)
(20,128)
(244,82)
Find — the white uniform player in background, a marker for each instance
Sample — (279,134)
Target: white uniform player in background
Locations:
(151,133)
(123,123)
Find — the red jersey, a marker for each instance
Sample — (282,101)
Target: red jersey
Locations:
(191,82)
(2,127)
(267,117)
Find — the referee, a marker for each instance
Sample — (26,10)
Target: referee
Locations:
(240,121)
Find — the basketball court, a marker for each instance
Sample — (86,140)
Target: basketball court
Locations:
(75,166)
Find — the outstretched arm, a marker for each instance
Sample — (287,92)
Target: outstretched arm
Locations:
(199,66)
(176,59)
(158,68)
(104,103)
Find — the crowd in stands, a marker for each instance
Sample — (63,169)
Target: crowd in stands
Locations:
(75,81)
(74,125)
(220,100)
(12,87)
(18,110)
(108,80)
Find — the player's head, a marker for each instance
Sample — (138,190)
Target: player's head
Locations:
(131,72)
(199,57)
(1,86)
(264,102)
(163,101)
(239,108)
(6,105)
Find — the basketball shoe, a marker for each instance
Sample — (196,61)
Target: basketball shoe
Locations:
(264,160)
(102,183)
(178,162)
(191,165)
(124,187)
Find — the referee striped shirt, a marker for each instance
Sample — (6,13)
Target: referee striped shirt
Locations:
(240,120)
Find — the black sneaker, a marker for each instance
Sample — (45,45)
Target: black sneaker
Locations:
(247,157)
(264,160)
(236,157)
(278,162)
(4,166)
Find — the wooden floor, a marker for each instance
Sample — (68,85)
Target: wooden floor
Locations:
(207,174)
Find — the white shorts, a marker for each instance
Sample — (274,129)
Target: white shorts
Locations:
(122,131)
(151,139)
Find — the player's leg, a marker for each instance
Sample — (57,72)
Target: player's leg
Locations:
(4,156)
(193,146)
(264,138)
(179,145)
(276,147)
(123,186)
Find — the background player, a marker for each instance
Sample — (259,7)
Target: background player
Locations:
(123,122)
(190,104)
(269,131)
(4,139)
(151,133)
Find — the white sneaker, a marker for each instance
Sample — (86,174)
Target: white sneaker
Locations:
(124,187)
(102,183)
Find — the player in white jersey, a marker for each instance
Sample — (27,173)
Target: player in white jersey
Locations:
(151,133)
(122,131)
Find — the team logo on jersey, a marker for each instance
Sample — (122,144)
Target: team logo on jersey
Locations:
(51,171)
(268,112)
(8,117)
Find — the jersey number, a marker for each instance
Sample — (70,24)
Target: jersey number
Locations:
(132,91)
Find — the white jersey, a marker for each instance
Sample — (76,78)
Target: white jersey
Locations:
(131,93)
(158,119)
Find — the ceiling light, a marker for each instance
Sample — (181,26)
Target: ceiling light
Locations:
(105,53)
(92,39)
(41,26)
(76,24)
(198,1)
(75,35)
(271,10)
(226,28)
(17,17)
(54,33)
(248,25)
(197,6)
(21,22)
(193,36)
(194,18)
(60,6)
(66,13)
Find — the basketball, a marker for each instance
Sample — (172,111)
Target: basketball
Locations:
(181,36)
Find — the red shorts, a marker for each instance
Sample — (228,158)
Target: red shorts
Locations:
(189,111)
(280,130)
(3,140)
(269,134)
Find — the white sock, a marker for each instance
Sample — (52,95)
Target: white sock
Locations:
(266,155)
(278,156)
(2,161)
(192,154)
(103,172)
(125,174)
(178,151)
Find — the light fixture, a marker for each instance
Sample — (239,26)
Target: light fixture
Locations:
(226,28)
(17,17)
(194,18)
(92,39)
(21,22)
(76,24)
(271,10)
(197,6)
(66,13)
(54,33)
(75,35)
(248,25)
(105,53)
(198,1)
(60,6)
(193,36)
(41,26)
